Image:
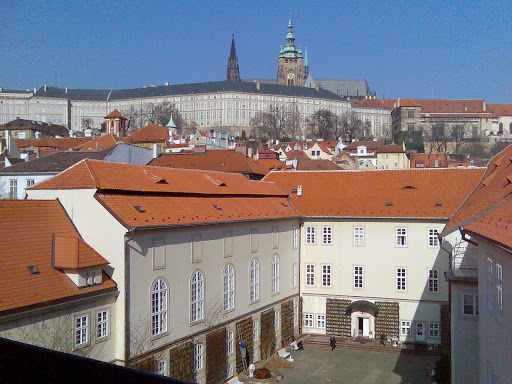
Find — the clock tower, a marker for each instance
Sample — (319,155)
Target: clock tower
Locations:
(290,69)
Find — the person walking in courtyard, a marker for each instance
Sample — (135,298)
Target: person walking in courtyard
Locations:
(332,343)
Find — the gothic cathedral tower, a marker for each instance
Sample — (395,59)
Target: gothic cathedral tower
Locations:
(290,70)
(233,73)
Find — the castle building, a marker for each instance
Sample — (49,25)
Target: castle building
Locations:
(290,69)
(233,72)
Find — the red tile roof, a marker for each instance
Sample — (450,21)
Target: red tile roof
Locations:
(500,109)
(390,149)
(51,142)
(115,114)
(451,106)
(312,165)
(371,145)
(151,133)
(427,160)
(214,160)
(26,231)
(371,103)
(412,193)
(272,164)
(102,142)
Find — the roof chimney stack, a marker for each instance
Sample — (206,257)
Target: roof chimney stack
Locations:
(299,190)
(45,87)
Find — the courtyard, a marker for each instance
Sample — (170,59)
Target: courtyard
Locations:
(317,364)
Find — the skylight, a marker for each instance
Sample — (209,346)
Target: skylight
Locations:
(139,209)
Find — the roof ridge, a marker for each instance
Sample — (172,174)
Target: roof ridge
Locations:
(93,176)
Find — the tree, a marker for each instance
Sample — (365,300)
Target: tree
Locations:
(293,121)
(161,113)
(350,127)
(322,125)
(436,138)
(86,123)
(271,123)
(498,147)
(458,134)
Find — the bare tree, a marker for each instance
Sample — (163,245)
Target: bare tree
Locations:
(86,123)
(293,121)
(271,123)
(133,117)
(458,134)
(323,124)
(435,136)
(351,126)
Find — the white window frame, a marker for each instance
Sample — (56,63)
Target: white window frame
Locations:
(405,328)
(401,237)
(159,307)
(254,280)
(230,341)
(499,291)
(255,330)
(310,275)
(295,312)
(310,235)
(473,305)
(433,280)
(30,182)
(275,273)
(358,236)
(434,330)
(81,330)
(161,367)
(308,320)
(13,188)
(326,275)
(231,370)
(102,323)
(433,238)
(327,235)
(277,320)
(401,279)
(358,276)
(320,321)
(198,357)
(228,282)
(294,274)
(197,296)
(490,284)
(295,237)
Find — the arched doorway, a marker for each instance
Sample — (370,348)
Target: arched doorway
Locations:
(362,318)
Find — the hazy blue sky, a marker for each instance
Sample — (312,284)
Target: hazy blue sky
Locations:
(417,49)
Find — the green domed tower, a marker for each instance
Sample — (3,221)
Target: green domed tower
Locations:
(290,69)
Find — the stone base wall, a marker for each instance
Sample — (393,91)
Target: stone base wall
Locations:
(337,320)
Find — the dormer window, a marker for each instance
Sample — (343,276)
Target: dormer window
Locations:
(362,150)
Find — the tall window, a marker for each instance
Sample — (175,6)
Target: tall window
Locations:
(161,367)
(158,307)
(310,275)
(310,235)
(198,357)
(326,275)
(433,330)
(358,276)
(13,189)
(490,285)
(401,237)
(275,273)
(470,305)
(294,275)
(255,330)
(358,235)
(499,291)
(433,239)
(320,321)
(230,342)
(295,237)
(327,235)
(254,279)
(405,328)
(102,324)
(228,277)
(277,320)
(400,279)
(433,280)
(81,330)
(295,312)
(308,320)
(196,296)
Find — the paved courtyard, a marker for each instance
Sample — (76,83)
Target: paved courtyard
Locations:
(317,364)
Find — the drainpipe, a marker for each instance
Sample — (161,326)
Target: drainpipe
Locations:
(130,235)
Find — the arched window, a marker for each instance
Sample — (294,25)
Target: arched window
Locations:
(196,297)
(510,128)
(275,273)
(500,128)
(158,307)
(228,277)
(255,279)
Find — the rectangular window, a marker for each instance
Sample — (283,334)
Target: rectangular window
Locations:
(401,237)
(198,363)
(401,279)
(326,275)
(358,276)
(295,237)
(255,330)
(294,275)
(410,113)
(410,127)
(320,321)
(102,324)
(308,320)
(433,330)
(30,182)
(310,235)
(81,330)
(230,342)
(433,280)
(231,370)
(358,235)
(433,239)
(228,244)
(295,312)
(499,291)
(161,367)
(405,328)
(158,254)
(490,285)
(275,237)
(327,235)
(254,241)
(197,248)
(310,275)
(470,305)
(277,320)
(13,189)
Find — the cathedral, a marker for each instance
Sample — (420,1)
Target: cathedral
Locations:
(293,70)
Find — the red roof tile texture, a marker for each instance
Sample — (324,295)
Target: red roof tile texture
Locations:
(102,142)
(214,160)
(115,114)
(412,193)
(26,232)
(500,109)
(371,103)
(151,133)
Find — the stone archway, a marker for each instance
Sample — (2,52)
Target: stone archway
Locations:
(362,318)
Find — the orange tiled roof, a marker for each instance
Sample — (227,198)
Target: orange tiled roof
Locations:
(428,159)
(311,165)
(115,114)
(272,164)
(371,103)
(26,229)
(390,149)
(371,145)
(51,142)
(296,154)
(94,174)
(413,193)
(102,142)
(151,133)
(500,109)
(214,160)
(487,203)
(451,106)
(407,103)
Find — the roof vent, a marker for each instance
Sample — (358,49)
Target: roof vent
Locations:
(33,269)
(389,204)
(139,209)
(216,207)
(439,204)
(284,204)
(299,190)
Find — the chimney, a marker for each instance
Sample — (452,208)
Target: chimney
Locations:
(299,190)
(258,85)
(45,87)
(484,106)
(156,150)
(66,90)
(398,103)
(35,90)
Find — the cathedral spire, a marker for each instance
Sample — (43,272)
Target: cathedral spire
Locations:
(233,72)
(306,64)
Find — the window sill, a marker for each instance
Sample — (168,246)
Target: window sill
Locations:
(254,302)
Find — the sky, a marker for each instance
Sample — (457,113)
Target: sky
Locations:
(416,49)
